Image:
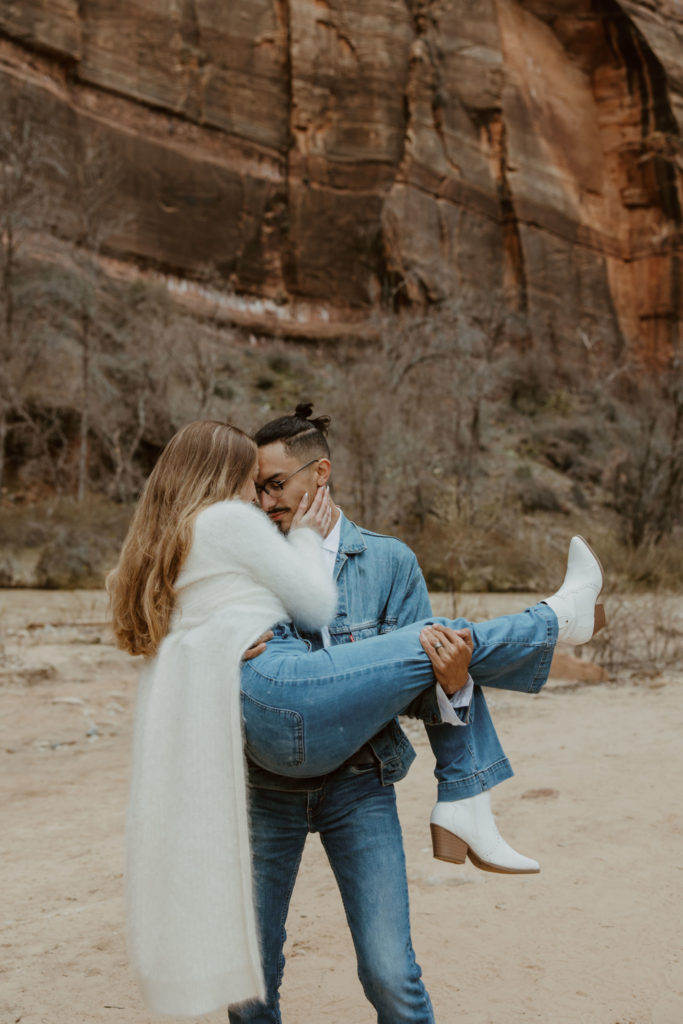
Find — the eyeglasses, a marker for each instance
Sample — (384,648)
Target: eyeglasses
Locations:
(275,487)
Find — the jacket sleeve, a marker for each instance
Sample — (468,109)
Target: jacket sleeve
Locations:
(407,600)
(292,568)
(413,603)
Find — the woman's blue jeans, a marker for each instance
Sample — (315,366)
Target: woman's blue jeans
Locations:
(305,713)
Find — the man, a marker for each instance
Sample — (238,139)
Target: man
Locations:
(354,808)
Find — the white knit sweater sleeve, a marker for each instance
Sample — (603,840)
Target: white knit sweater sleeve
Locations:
(292,568)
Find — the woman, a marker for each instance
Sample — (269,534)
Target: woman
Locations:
(201,576)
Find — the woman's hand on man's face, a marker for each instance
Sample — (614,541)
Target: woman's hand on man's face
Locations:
(316,516)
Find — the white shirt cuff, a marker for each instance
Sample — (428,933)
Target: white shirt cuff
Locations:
(460,699)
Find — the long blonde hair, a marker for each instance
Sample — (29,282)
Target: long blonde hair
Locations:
(203,463)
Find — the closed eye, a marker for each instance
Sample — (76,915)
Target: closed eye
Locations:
(272,485)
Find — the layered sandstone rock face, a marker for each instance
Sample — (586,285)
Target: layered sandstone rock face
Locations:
(323,159)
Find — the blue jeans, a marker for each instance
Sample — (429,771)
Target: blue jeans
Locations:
(305,713)
(473,761)
(360,831)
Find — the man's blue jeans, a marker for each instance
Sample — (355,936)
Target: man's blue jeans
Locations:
(305,713)
(359,828)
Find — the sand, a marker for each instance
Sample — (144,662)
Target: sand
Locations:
(594,939)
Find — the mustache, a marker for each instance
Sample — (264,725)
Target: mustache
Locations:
(274,511)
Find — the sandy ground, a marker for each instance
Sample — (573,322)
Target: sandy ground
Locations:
(594,939)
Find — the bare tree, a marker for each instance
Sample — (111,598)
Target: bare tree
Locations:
(413,410)
(647,478)
(200,350)
(25,156)
(140,365)
(95,176)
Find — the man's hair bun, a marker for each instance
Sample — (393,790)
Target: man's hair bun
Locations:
(301,435)
(303,412)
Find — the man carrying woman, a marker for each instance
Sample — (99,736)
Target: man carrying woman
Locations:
(353,809)
(201,576)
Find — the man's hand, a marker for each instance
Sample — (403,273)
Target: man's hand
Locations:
(258,646)
(449,651)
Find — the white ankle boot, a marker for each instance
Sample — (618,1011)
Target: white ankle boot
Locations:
(578,616)
(467,828)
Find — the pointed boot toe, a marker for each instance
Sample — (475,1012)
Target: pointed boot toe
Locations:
(467,828)
(578,616)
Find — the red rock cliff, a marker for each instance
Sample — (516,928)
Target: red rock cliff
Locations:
(329,157)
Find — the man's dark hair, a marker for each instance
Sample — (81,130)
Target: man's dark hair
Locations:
(301,435)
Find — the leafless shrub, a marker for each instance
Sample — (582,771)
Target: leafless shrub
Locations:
(646,477)
(643,636)
(649,567)
(412,414)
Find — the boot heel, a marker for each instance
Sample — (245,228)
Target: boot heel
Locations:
(600,620)
(447,846)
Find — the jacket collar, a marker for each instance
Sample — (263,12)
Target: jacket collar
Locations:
(351,541)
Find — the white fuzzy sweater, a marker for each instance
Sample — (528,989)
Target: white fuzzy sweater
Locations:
(192,935)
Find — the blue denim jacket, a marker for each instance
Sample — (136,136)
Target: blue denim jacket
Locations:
(381,588)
